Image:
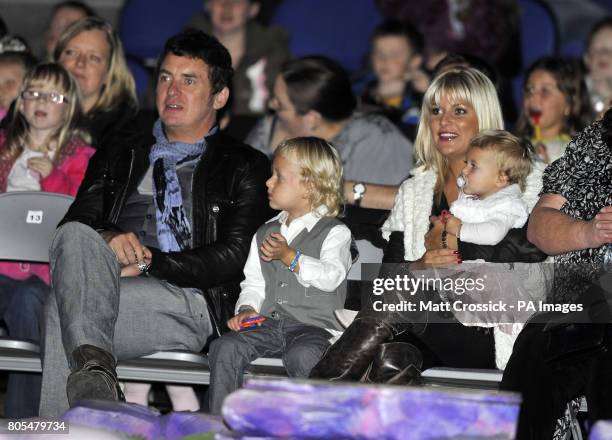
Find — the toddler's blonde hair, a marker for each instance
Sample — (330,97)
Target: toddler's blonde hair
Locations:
(512,155)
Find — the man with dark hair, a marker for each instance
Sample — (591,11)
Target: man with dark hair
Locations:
(158,233)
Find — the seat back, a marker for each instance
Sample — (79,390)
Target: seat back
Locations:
(539,35)
(144,27)
(339,29)
(27,223)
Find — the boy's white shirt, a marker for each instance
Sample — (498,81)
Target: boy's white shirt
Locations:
(487,221)
(325,273)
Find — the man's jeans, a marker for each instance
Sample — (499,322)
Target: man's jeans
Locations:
(90,304)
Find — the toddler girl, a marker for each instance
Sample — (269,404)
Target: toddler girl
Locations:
(555,106)
(489,205)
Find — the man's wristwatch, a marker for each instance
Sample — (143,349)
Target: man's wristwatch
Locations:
(359,189)
(143,267)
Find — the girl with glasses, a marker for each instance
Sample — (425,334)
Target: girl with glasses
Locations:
(43,148)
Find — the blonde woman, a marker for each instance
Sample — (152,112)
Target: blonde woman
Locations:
(92,52)
(456,106)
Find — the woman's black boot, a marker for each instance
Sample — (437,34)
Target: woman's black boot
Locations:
(349,358)
(396,363)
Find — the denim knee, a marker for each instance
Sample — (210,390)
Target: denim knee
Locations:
(299,360)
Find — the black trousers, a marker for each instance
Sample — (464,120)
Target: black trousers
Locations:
(548,385)
(453,345)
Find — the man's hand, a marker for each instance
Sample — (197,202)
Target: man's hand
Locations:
(127,248)
(275,247)
(133,270)
(234,323)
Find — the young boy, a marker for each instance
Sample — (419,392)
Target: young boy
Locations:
(397,90)
(490,203)
(295,275)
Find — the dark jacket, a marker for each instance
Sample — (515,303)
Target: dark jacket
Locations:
(105,127)
(229,204)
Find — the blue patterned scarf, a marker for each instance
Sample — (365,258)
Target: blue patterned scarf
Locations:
(173,228)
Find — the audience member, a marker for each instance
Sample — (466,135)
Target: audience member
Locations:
(13,68)
(396,56)
(456,106)
(63,15)
(598,60)
(464,60)
(313,97)
(44,148)
(306,185)
(138,212)
(92,52)
(560,357)
(484,28)
(555,106)
(489,205)
(257,52)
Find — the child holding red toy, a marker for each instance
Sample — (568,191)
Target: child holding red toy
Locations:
(295,275)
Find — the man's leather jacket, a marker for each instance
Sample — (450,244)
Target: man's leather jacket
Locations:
(229,203)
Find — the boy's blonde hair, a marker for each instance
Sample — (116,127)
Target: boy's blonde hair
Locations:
(320,168)
(512,155)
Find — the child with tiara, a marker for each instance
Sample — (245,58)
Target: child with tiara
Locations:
(43,148)
(295,275)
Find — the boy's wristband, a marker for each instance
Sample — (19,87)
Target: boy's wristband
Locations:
(245,308)
(294,262)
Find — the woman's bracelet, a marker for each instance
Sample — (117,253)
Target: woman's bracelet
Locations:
(444,238)
(294,262)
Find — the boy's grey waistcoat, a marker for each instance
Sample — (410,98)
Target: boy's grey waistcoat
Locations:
(285,296)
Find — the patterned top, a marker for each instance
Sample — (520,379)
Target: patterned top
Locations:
(583,176)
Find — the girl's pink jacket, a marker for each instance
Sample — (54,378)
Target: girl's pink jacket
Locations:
(65,179)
